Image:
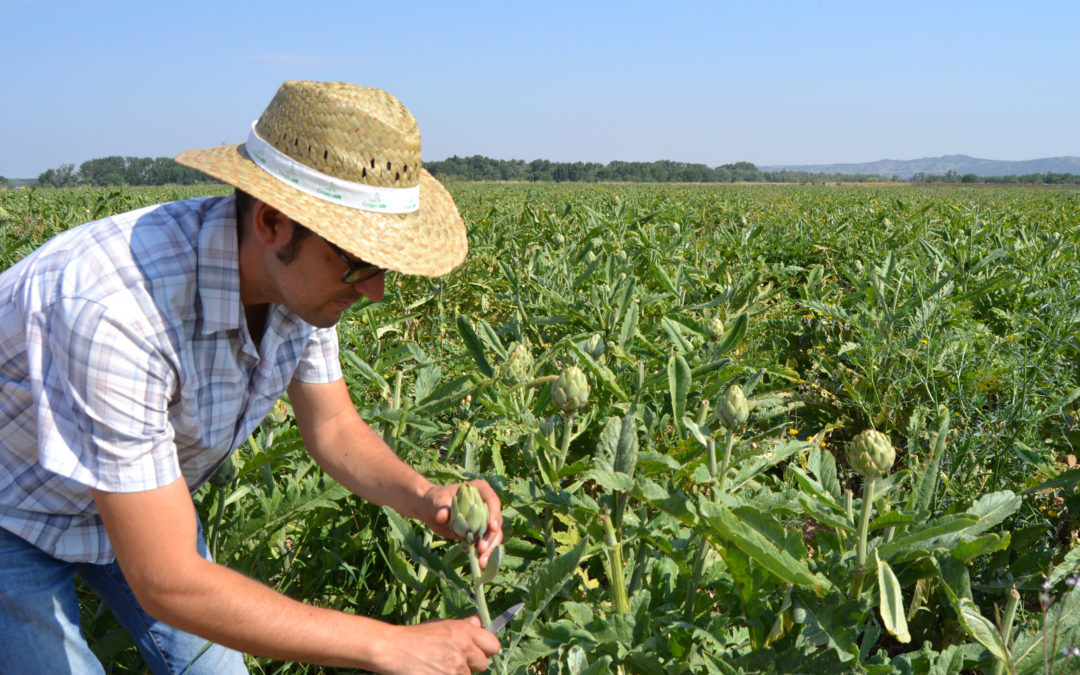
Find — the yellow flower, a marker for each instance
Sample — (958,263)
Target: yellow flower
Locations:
(793,432)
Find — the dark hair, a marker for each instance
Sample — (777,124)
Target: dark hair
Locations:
(245,203)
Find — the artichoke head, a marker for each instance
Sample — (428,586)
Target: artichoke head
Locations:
(571,391)
(715,329)
(594,346)
(733,408)
(519,364)
(468,514)
(871,454)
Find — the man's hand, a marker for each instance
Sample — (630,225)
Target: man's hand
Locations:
(435,512)
(438,647)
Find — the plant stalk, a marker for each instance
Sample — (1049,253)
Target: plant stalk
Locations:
(860,536)
(727,458)
(478,585)
(615,562)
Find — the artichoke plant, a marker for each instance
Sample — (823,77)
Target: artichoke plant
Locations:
(571,391)
(733,408)
(871,455)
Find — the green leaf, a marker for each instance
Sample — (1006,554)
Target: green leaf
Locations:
(823,465)
(725,525)
(629,326)
(734,334)
(980,628)
(930,536)
(603,374)
(891,602)
(627,451)
(473,345)
(994,508)
(678,384)
(545,584)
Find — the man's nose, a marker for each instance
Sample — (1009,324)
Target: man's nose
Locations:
(373,288)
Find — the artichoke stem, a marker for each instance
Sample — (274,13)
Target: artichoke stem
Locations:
(727,458)
(860,536)
(565,449)
(478,585)
(710,456)
(615,562)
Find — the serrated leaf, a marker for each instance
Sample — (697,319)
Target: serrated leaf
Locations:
(473,345)
(545,585)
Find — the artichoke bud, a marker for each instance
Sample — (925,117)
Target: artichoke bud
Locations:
(519,364)
(571,391)
(733,408)
(278,414)
(468,514)
(871,454)
(594,346)
(715,329)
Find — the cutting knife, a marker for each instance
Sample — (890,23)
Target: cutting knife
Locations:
(499,622)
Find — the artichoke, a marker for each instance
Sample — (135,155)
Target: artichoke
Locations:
(733,408)
(594,346)
(468,514)
(871,454)
(519,364)
(715,329)
(571,391)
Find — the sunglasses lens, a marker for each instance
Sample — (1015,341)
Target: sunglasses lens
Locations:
(355,276)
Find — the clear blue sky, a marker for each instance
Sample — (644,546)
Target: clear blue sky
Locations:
(711,82)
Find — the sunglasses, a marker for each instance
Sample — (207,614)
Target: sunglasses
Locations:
(358,270)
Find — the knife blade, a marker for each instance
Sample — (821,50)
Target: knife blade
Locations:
(499,622)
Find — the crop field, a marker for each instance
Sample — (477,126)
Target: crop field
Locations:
(668,386)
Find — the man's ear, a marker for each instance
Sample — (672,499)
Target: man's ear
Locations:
(271,227)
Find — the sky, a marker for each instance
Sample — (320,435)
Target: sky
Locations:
(773,83)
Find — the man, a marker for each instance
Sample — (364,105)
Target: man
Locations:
(138,351)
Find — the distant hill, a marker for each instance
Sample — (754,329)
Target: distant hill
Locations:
(960,164)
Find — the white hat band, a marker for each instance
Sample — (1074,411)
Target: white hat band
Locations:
(334,190)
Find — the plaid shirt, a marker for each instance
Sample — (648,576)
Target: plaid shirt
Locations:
(126,363)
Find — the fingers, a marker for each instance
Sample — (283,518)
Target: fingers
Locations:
(493,536)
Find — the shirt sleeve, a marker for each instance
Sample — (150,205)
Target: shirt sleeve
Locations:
(102,392)
(319,362)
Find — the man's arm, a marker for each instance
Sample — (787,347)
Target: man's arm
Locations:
(354,455)
(154,534)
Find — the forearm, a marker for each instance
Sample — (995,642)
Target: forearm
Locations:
(226,607)
(355,456)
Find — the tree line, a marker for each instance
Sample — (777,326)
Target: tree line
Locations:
(115,171)
(479,168)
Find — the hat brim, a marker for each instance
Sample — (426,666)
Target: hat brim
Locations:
(428,242)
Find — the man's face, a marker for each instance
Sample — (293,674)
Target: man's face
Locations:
(311,284)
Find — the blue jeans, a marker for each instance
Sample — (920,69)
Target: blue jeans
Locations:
(39,619)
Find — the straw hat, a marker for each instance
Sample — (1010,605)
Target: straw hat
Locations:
(344,161)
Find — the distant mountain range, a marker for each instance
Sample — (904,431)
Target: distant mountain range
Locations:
(960,164)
